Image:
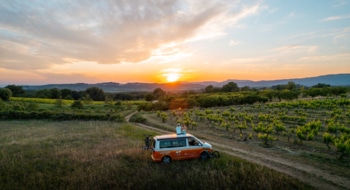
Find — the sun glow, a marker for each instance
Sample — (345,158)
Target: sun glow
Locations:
(172,77)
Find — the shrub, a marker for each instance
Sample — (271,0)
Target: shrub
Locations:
(77,105)
(5,94)
(138,118)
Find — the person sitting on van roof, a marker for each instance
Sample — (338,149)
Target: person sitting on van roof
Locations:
(178,129)
(183,129)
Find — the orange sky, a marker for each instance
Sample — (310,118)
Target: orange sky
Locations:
(166,41)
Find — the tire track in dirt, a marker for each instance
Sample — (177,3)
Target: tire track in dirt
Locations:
(317,178)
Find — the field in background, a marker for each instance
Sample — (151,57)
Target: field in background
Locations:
(107,155)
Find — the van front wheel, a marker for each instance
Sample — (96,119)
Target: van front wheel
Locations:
(204,156)
(166,159)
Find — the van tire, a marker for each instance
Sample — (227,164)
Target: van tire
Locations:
(166,159)
(204,156)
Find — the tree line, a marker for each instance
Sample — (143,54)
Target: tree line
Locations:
(92,93)
(210,96)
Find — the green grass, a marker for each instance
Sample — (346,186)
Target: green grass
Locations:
(39,108)
(107,155)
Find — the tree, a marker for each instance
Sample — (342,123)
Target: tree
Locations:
(245,88)
(66,93)
(149,97)
(77,105)
(321,85)
(288,94)
(158,93)
(338,90)
(44,93)
(230,87)
(77,95)
(16,90)
(55,93)
(5,94)
(211,89)
(96,93)
(291,86)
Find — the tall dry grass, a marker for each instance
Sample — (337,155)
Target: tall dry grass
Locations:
(107,155)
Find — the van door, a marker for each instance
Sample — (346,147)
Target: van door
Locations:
(179,144)
(193,149)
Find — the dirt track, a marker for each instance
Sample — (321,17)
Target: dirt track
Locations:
(320,179)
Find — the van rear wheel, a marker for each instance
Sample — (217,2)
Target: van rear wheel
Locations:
(166,159)
(204,156)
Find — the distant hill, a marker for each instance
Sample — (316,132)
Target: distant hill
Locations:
(333,80)
(117,87)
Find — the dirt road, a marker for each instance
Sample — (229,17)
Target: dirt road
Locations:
(320,179)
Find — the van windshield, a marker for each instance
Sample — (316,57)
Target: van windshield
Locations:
(194,141)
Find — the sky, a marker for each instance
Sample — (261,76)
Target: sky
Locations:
(159,41)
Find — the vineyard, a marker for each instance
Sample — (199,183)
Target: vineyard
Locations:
(316,125)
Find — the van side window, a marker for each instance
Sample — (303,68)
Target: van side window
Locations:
(164,144)
(193,142)
(172,143)
(179,142)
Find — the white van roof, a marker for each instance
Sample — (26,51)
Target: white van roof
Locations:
(172,136)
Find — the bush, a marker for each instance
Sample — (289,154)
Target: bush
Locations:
(5,94)
(77,105)
(138,118)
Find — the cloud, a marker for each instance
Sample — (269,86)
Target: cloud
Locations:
(341,56)
(333,18)
(234,43)
(37,34)
(296,48)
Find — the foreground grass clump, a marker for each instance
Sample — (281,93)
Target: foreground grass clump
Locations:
(107,155)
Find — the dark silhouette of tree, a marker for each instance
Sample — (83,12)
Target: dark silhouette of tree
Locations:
(66,94)
(230,87)
(55,93)
(337,90)
(158,93)
(321,85)
(77,95)
(211,89)
(44,93)
(5,94)
(245,88)
(16,90)
(77,105)
(291,86)
(96,93)
(150,97)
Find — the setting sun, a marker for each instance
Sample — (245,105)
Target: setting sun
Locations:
(172,77)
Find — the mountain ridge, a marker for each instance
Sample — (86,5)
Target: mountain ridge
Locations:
(331,79)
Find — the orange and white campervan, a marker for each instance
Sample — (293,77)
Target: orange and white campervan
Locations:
(169,147)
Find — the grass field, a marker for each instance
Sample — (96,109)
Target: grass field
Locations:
(107,155)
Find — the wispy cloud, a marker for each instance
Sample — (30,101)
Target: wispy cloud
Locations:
(234,43)
(342,56)
(296,48)
(333,18)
